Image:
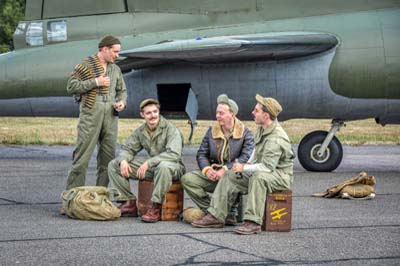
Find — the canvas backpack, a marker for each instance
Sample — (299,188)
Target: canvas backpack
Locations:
(90,203)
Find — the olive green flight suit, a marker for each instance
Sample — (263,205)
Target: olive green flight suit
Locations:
(164,148)
(96,126)
(274,153)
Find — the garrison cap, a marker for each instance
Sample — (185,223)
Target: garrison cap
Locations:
(149,101)
(272,105)
(108,41)
(223,98)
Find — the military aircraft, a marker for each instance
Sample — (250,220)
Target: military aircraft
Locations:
(331,59)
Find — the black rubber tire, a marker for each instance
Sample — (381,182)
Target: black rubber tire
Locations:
(327,163)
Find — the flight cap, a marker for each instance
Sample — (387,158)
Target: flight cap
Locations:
(223,98)
(148,101)
(272,105)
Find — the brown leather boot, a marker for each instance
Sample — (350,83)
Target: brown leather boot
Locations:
(207,221)
(153,214)
(248,228)
(128,209)
(230,220)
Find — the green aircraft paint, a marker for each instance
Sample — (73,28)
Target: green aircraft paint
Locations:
(321,59)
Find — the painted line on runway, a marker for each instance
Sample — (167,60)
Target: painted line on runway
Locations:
(342,260)
(346,227)
(108,236)
(11,202)
(191,259)
(259,260)
(186,233)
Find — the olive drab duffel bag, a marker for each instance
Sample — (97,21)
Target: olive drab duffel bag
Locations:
(90,203)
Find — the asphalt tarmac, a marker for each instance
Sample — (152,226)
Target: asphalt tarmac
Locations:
(324,231)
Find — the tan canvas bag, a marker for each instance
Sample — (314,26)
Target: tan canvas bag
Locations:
(90,203)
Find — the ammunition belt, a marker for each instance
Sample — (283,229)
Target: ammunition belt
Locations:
(93,70)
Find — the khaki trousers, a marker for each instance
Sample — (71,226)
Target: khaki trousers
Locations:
(197,186)
(256,185)
(163,175)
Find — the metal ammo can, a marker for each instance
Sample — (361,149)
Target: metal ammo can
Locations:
(278,212)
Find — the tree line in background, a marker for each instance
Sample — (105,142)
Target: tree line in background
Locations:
(11,12)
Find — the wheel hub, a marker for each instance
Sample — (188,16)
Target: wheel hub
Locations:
(319,159)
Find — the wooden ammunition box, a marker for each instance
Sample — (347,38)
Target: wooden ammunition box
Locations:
(172,206)
(278,212)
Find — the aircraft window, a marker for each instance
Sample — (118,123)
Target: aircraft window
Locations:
(34,34)
(57,31)
(20,28)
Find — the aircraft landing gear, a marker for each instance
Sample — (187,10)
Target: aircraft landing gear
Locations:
(321,151)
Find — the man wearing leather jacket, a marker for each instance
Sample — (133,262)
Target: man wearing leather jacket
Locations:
(227,141)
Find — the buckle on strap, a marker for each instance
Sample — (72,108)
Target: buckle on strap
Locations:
(105,97)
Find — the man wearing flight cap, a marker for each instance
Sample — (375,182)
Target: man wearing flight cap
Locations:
(226,141)
(269,168)
(163,143)
(99,87)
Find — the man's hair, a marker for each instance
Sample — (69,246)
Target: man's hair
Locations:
(108,41)
(265,110)
(229,107)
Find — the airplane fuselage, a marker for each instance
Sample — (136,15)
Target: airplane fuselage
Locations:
(319,59)
(357,79)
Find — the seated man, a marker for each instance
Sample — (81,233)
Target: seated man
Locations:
(164,143)
(226,140)
(270,168)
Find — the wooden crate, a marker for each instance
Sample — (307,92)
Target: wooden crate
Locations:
(172,206)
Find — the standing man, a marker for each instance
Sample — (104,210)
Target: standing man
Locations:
(98,85)
(270,168)
(163,142)
(226,141)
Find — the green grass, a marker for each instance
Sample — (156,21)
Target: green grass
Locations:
(62,131)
